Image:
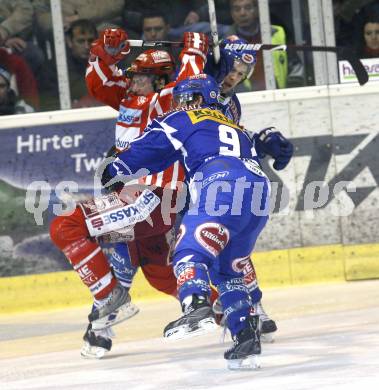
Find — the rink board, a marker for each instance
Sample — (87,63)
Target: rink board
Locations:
(335,133)
(280,268)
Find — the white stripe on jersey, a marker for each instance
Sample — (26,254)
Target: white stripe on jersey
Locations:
(101,284)
(196,40)
(185,60)
(87,258)
(166,91)
(168,130)
(175,173)
(104,78)
(194,65)
(148,179)
(159,179)
(151,108)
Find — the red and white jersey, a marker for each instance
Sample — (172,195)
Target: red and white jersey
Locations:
(108,85)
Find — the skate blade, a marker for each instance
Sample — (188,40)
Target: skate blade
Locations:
(124,312)
(91,352)
(249,363)
(184,331)
(267,338)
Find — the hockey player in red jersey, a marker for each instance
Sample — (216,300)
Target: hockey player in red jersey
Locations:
(139,96)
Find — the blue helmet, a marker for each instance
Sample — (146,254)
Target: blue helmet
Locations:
(202,84)
(232,49)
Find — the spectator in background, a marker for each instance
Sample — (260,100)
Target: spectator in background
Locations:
(178,12)
(10,103)
(25,81)
(288,69)
(369,45)
(222,10)
(98,12)
(155,26)
(16,31)
(79,37)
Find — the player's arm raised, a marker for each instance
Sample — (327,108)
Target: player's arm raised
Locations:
(104,80)
(194,54)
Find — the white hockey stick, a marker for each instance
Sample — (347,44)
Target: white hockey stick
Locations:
(214,32)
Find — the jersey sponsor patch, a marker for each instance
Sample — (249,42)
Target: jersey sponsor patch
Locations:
(245,266)
(197,116)
(239,264)
(129,115)
(187,274)
(93,206)
(212,236)
(126,215)
(215,176)
(253,166)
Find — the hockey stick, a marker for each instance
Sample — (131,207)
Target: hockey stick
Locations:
(346,53)
(214,32)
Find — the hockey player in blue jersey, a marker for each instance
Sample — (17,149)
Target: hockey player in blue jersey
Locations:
(236,65)
(229,208)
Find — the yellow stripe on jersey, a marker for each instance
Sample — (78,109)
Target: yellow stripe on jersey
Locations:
(197,116)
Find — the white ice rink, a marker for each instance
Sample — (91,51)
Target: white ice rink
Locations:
(328,338)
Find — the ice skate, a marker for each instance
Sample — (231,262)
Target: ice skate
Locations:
(198,319)
(117,308)
(244,355)
(267,325)
(96,343)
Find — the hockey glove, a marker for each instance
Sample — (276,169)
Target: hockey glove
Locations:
(272,142)
(195,43)
(112,46)
(108,174)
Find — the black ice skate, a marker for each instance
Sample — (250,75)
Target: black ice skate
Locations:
(247,346)
(198,319)
(118,304)
(96,344)
(267,325)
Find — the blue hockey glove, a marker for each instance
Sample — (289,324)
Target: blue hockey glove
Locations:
(272,142)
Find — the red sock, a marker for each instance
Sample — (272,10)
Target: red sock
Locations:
(90,263)
(69,234)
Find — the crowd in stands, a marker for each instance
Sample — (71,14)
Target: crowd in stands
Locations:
(28,75)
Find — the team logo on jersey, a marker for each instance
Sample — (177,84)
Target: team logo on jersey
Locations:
(212,236)
(129,115)
(214,115)
(215,176)
(239,264)
(141,100)
(248,58)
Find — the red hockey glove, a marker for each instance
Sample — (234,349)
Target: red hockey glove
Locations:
(196,43)
(112,45)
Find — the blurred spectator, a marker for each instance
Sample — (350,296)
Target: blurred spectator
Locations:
(16,31)
(78,41)
(155,26)
(288,69)
(9,102)
(178,12)
(98,12)
(16,19)
(222,12)
(369,44)
(25,82)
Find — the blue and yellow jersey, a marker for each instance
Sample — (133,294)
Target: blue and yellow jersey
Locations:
(196,137)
